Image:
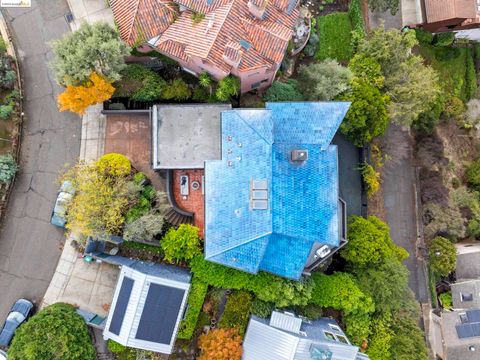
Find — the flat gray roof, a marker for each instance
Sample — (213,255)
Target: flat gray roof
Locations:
(184,136)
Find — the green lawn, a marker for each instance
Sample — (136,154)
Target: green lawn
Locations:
(334,31)
(451,65)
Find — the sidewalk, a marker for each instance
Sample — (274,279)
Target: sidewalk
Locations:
(89,11)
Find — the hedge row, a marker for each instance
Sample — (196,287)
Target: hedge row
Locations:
(198,291)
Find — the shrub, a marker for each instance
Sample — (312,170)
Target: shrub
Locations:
(177,90)
(427,120)
(141,208)
(367,117)
(312,45)
(266,287)
(446,299)
(145,228)
(6,111)
(369,243)
(473,228)
(205,80)
(196,297)
(368,69)
(446,221)
(139,177)
(181,244)
(409,341)
(56,332)
(227,88)
(114,164)
(472,174)
(371,178)
(140,83)
(220,344)
(454,108)
(379,344)
(442,256)
(323,81)
(78,98)
(470,78)
(8,168)
(284,91)
(424,37)
(115,347)
(262,309)
(237,311)
(444,39)
(384,5)
(310,311)
(92,48)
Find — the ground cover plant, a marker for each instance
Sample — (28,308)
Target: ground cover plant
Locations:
(334,31)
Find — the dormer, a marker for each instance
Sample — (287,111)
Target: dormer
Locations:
(232,54)
(257,7)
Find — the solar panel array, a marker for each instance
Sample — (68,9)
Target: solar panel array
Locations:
(471,328)
(121,306)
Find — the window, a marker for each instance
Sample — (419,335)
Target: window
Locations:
(466,297)
(342,339)
(257,84)
(334,327)
(329,336)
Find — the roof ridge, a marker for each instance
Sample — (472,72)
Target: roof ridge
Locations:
(134,17)
(230,5)
(242,244)
(237,111)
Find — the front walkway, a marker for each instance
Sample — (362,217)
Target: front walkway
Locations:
(90,286)
(89,11)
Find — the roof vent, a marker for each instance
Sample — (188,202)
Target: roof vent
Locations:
(299,155)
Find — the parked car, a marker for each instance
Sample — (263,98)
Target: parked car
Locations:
(65,196)
(19,312)
(3,355)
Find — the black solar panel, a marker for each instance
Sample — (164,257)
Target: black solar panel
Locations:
(121,305)
(464,331)
(473,316)
(160,314)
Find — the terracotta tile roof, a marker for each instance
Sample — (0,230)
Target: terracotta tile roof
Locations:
(440,10)
(141,20)
(228,26)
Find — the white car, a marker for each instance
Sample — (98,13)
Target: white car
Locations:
(64,199)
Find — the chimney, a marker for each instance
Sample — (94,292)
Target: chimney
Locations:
(257,8)
(232,54)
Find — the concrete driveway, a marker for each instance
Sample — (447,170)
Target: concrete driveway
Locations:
(29,245)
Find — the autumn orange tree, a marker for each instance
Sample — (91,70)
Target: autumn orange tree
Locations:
(220,344)
(78,98)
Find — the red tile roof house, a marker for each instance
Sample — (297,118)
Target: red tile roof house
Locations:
(245,38)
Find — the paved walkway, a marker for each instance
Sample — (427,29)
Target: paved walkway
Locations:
(29,245)
(400,204)
(90,11)
(90,286)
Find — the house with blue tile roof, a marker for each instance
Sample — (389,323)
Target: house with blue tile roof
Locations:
(272,200)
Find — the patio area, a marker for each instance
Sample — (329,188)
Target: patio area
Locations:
(194,200)
(130,134)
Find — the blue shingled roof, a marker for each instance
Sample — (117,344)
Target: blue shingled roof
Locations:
(302,197)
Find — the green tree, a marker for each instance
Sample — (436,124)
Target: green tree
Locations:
(181,244)
(380,341)
(323,81)
(367,117)
(472,174)
(284,91)
(369,243)
(408,343)
(237,311)
(411,86)
(387,284)
(101,199)
(227,88)
(92,48)
(8,168)
(56,332)
(442,256)
(384,5)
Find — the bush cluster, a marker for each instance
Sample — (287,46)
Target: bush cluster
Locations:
(196,297)
(182,243)
(237,311)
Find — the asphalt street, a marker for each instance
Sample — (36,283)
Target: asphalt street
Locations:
(29,246)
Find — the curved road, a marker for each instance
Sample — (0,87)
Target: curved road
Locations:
(29,246)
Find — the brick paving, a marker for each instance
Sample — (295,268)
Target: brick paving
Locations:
(130,135)
(194,202)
